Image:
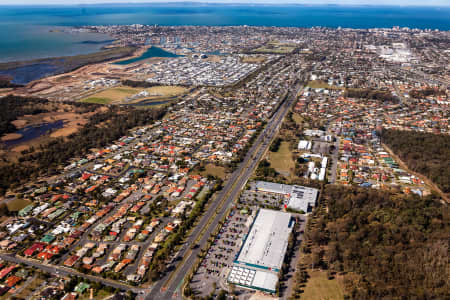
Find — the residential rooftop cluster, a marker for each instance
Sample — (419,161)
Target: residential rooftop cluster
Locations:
(109,213)
(186,71)
(195,39)
(363,160)
(113,212)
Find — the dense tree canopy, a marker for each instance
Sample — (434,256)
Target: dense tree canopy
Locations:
(420,94)
(370,94)
(390,246)
(139,84)
(5,83)
(425,153)
(12,107)
(143,84)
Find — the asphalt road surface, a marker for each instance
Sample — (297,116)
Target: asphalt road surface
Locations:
(187,256)
(164,289)
(58,270)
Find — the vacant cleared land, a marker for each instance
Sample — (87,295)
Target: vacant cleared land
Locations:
(319,84)
(60,65)
(30,288)
(212,169)
(297,118)
(17,204)
(10,137)
(282,160)
(319,287)
(253,59)
(123,94)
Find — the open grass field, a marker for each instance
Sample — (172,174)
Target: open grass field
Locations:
(17,204)
(120,94)
(276,47)
(319,84)
(319,287)
(101,294)
(116,94)
(282,160)
(212,169)
(297,118)
(167,91)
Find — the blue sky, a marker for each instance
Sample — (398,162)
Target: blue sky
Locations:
(341,2)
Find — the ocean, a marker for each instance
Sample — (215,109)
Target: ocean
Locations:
(25,30)
(151,52)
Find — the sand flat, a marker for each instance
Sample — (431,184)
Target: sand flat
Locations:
(11,137)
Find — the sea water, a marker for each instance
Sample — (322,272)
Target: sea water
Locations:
(25,30)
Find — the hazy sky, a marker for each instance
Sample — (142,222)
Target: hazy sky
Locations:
(343,2)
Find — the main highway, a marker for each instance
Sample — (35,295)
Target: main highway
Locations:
(169,286)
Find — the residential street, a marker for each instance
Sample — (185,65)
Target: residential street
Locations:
(222,202)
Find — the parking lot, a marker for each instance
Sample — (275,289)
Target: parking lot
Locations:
(215,266)
(251,197)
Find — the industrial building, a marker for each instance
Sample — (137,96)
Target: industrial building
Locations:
(297,197)
(262,253)
(302,198)
(304,145)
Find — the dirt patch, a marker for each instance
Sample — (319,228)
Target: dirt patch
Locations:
(253,59)
(214,58)
(17,204)
(63,132)
(73,122)
(20,148)
(69,117)
(74,86)
(5,92)
(19,123)
(11,137)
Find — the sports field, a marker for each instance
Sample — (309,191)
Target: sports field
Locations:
(122,94)
(276,47)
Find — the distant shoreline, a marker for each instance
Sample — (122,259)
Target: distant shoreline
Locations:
(24,72)
(237,14)
(223,3)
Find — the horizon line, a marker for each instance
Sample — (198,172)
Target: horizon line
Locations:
(258,3)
